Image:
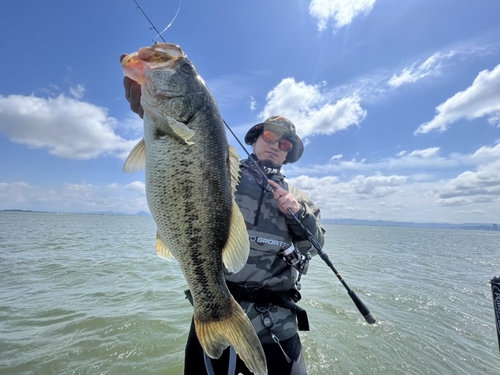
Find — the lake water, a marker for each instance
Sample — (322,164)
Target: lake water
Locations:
(86,294)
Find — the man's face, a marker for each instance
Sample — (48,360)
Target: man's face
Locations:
(269,153)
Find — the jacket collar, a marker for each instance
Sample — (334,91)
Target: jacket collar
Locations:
(274,174)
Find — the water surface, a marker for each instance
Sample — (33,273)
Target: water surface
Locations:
(86,294)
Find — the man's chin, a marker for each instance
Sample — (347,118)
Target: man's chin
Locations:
(270,164)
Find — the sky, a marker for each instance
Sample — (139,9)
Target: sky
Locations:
(397,101)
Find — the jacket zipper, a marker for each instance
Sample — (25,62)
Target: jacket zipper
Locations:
(257,214)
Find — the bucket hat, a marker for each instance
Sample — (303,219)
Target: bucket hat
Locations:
(283,127)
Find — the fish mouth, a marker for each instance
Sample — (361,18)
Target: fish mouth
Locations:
(160,55)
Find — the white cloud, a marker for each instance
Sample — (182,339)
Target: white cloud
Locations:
(405,198)
(336,157)
(380,192)
(487,153)
(377,186)
(495,119)
(137,186)
(404,161)
(482,185)
(382,83)
(427,153)
(362,197)
(405,187)
(14,193)
(441,62)
(253,103)
(342,12)
(480,99)
(67,127)
(310,110)
(77,92)
(430,67)
(421,164)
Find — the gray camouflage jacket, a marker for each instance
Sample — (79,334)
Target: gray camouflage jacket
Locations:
(269,229)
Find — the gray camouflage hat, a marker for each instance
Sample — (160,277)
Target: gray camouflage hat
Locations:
(280,125)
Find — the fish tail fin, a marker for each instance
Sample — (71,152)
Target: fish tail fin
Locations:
(237,331)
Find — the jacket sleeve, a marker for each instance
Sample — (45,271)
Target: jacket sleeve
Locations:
(310,217)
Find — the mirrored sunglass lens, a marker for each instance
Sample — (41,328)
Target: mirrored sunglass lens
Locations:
(269,136)
(286,145)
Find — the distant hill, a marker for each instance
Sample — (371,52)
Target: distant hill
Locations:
(142,213)
(470,226)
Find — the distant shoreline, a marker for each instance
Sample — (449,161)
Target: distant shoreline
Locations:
(109,213)
(466,226)
(379,223)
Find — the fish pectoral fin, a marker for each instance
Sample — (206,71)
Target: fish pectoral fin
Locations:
(170,126)
(152,106)
(181,130)
(162,249)
(235,330)
(234,168)
(136,160)
(235,252)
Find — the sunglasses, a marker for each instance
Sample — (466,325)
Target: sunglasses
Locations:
(270,137)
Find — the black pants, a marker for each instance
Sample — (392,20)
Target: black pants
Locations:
(277,364)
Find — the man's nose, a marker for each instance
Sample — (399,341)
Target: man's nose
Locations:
(275,145)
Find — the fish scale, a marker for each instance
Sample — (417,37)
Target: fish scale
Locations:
(191,175)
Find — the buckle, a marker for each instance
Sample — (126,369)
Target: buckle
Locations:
(251,294)
(295,295)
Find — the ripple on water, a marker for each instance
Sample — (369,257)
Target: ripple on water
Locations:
(86,294)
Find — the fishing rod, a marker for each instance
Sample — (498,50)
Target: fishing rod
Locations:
(495,291)
(370,319)
(153,27)
(357,301)
(151,23)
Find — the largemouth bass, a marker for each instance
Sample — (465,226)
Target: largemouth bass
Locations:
(191,176)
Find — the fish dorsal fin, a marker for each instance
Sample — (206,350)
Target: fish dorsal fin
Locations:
(235,252)
(162,249)
(234,168)
(136,160)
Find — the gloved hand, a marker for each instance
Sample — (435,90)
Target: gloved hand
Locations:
(132,93)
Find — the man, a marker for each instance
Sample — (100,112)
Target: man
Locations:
(266,286)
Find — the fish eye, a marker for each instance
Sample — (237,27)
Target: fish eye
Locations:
(186,67)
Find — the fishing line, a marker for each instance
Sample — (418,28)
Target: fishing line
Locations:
(153,27)
(359,304)
(357,301)
(170,24)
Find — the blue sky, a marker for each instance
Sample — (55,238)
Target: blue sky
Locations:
(397,101)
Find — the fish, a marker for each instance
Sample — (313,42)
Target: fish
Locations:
(191,174)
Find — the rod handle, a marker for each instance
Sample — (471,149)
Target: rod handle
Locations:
(495,292)
(370,319)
